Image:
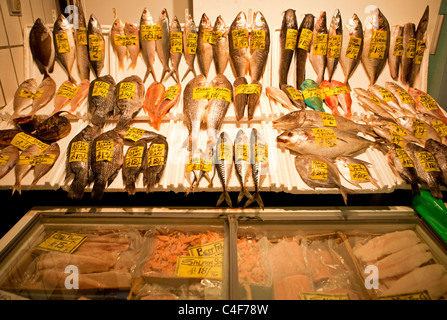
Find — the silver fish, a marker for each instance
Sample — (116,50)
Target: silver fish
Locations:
(163,46)
(204,49)
(388,100)
(352,47)
(42,47)
(176,57)
(120,50)
(147,45)
(82,55)
(223,163)
(221,51)
(96,45)
(405,100)
(50,154)
(24,165)
(335,29)
(439,151)
(259,51)
(190,45)
(65,45)
(242,163)
(344,163)
(239,50)
(419,129)
(318,61)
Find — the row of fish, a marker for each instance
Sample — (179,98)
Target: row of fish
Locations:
(373,45)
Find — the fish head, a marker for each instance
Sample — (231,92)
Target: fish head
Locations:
(118,25)
(131,28)
(94,24)
(294,137)
(353,24)
(290,120)
(241,20)
(164,14)
(241,137)
(220,23)
(146,15)
(62,23)
(175,24)
(30,83)
(205,22)
(320,24)
(423,23)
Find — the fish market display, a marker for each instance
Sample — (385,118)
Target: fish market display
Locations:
(409,46)
(101,100)
(396,51)
(376,45)
(135,162)
(288,40)
(318,48)
(129,98)
(78,161)
(421,39)
(53,128)
(400,161)
(163,45)
(117,33)
(426,104)
(223,162)
(133,46)
(23,97)
(176,48)
(242,164)
(106,160)
(65,45)
(239,46)
(355,171)
(8,159)
(24,165)
(312,94)
(190,45)
(352,47)
(148,40)
(44,94)
(221,50)
(439,151)
(42,47)
(404,99)
(335,40)
(304,40)
(80,95)
(82,53)
(157,159)
(96,45)
(45,162)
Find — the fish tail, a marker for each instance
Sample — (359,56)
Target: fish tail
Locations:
(17,187)
(98,190)
(132,65)
(224,196)
(344,192)
(121,65)
(243,193)
(77,189)
(130,188)
(415,189)
(187,72)
(435,191)
(257,198)
(72,80)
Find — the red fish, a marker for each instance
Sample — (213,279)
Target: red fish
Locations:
(344,98)
(153,99)
(170,100)
(330,99)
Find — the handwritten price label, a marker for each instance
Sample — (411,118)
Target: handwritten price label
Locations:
(411,48)
(325,138)
(4,160)
(428,102)
(63,46)
(387,96)
(319,170)
(79,152)
(225,152)
(440,127)
(177,42)
(398,49)
(62,242)
(257,40)
(100,89)
(334,46)
(95,47)
(305,39)
(134,157)
(328,119)
(151,33)
(191,43)
(295,94)
(127,91)
(419,54)
(171,93)
(320,45)
(248,89)
(23,141)
(240,39)
(404,159)
(358,172)
(104,150)
(82,36)
(240,152)
(377,49)
(156,155)
(291,39)
(261,153)
(67,91)
(419,129)
(428,162)
(353,49)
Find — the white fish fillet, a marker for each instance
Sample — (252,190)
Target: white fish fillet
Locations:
(86,264)
(286,259)
(386,244)
(432,278)
(403,261)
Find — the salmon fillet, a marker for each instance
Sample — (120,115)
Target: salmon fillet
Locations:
(286,259)
(289,288)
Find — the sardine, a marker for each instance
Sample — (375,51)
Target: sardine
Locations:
(295,96)
(356,171)
(221,51)
(133,49)
(396,50)
(101,100)
(401,163)
(46,163)
(409,44)
(239,46)
(65,45)
(312,95)
(259,165)
(405,100)
(42,47)
(303,47)
(135,162)
(9,156)
(204,49)
(421,35)
(63,96)
(287,44)
(96,45)
(190,45)
(80,95)
(44,94)
(163,46)
(317,55)
(439,151)
(106,160)
(352,47)
(427,168)
(240,99)
(147,44)
(176,57)
(242,163)
(253,100)
(158,150)
(333,53)
(320,172)
(129,98)
(166,105)
(78,161)
(154,97)
(121,50)
(376,45)
(82,55)
(259,47)
(223,162)
(23,97)
(24,165)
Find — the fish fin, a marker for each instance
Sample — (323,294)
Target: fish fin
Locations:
(347,84)
(121,65)
(257,198)
(77,189)
(17,187)
(98,190)
(130,188)
(224,196)
(436,192)
(132,65)
(187,72)
(344,192)
(243,193)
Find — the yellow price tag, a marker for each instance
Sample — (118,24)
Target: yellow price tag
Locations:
(79,152)
(305,39)
(63,46)
(4,159)
(428,161)
(95,47)
(151,32)
(26,94)
(387,96)
(320,45)
(240,39)
(420,48)
(396,138)
(419,129)
(376,100)
(67,91)
(191,43)
(325,138)
(134,157)
(211,249)
(411,48)
(398,49)
(171,93)
(257,39)
(295,94)
(291,39)
(134,134)
(199,267)
(23,141)
(261,153)
(416,295)
(212,37)
(156,155)
(312,93)
(405,97)
(100,89)
(25,161)
(377,49)
(62,242)
(225,152)
(428,102)
(241,152)
(353,49)
(177,42)
(319,170)
(248,89)
(324,296)
(328,119)
(194,164)
(126,40)
(334,46)
(440,127)
(127,91)
(358,172)
(405,160)
(104,150)
(82,37)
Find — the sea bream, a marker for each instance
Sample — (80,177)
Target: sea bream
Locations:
(23,97)
(239,46)
(405,100)
(242,163)
(352,47)
(101,100)
(135,162)
(117,33)
(204,48)
(426,104)
(221,51)
(335,35)
(223,162)
(167,104)
(80,95)
(147,44)
(287,45)
(190,45)
(154,97)
(42,47)
(45,92)
(96,45)
(65,45)
(304,40)
(318,47)
(388,100)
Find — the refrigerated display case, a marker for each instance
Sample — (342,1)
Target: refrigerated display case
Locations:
(223,254)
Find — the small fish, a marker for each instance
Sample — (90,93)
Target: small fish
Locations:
(45,92)
(158,150)
(223,163)
(133,49)
(335,29)
(204,49)
(120,50)
(65,45)
(221,50)
(301,54)
(42,47)
(96,45)
(163,46)
(401,163)
(80,95)
(242,163)
(312,100)
(405,100)
(148,51)
(388,100)
(317,60)
(286,52)
(370,102)
(135,162)
(24,165)
(23,97)
(394,58)
(101,100)
(9,156)
(331,100)
(190,45)
(176,57)
(62,98)
(344,98)
(419,129)
(427,104)
(50,154)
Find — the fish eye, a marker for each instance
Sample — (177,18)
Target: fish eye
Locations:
(290,134)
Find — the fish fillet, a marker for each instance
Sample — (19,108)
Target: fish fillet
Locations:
(320,264)
(85,264)
(88,247)
(286,259)
(386,244)
(290,288)
(432,278)
(403,261)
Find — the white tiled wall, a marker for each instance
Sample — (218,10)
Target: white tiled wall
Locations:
(11,42)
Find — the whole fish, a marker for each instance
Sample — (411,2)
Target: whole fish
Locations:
(335,35)
(355,171)
(330,99)
(439,151)
(134,48)
(9,157)
(426,104)
(295,96)
(65,45)
(63,96)
(388,100)
(148,45)
(352,47)
(106,160)
(82,55)
(135,162)
(396,50)
(129,98)
(421,36)
(405,100)
(239,46)
(409,45)
(287,44)
(376,45)
(259,47)
(259,165)
(176,49)
(24,165)
(48,160)
(253,100)
(312,95)
(221,51)
(158,150)
(101,100)
(80,95)
(42,47)
(401,163)
(23,96)
(190,45)
(418,128)
(371,103)
(240,99)
(389,132)
(78,161)
(303,47)
(117,33)
(427,168)
(154,97)
(169,102)
(204,48)
(280,97)
(7,135)
(96,45)
(242,164)
(330,143)
(318,51)
(44,94)
(437,124)
(223,162)
(344,98)
(163,46)
(320,172)
(310,118)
